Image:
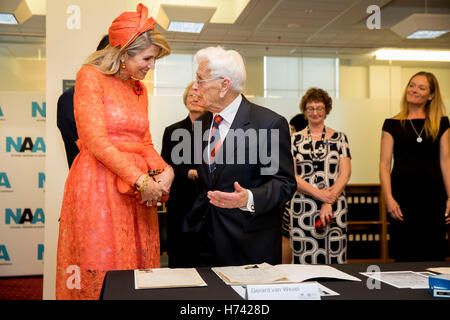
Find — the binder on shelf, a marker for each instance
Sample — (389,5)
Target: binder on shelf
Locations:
(363,207)
(364,243)
(367,226)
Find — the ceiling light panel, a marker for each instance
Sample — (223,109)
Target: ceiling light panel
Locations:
(18,8)
(412,55)
(427,34)
(7,18)
(422,22)
(189,27)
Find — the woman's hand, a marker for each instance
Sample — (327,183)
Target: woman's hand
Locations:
(165,179)
(151,193)
(334,191)
(394,209)
(326,213)
(326,196)
(192,174)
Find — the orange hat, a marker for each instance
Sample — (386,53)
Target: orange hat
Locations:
(129,25)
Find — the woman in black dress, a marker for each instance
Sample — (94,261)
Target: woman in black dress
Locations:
(417,191)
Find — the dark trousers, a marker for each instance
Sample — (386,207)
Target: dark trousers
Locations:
(205,249)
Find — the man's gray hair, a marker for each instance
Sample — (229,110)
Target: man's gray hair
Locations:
(224,63)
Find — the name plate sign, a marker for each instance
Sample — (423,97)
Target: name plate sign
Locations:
(287,291)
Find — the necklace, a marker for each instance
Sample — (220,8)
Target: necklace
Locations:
(316,154)
(318,182)
(316,134)
(419,136)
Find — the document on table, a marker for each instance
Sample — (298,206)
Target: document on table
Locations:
(400,279)
(302,272)
(251,274)
(167,278)
(440,269)
(282,273)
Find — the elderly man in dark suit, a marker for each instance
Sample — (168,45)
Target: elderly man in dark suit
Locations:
(246,170)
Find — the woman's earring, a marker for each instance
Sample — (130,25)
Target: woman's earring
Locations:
(123,65)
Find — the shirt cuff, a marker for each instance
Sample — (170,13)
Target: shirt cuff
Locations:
(250,203)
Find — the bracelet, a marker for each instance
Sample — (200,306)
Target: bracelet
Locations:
(154,172)
(144,183)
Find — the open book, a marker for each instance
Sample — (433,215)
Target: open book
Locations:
(282,273)
(167,278)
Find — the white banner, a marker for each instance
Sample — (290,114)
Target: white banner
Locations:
(22,183)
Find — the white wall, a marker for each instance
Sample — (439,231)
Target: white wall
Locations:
(353,82)
(22,74)
(380,82)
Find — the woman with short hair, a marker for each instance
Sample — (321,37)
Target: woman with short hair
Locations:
(315,227)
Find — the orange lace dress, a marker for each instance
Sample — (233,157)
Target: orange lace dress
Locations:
(103,227)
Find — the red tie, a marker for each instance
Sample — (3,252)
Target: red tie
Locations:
(214,142)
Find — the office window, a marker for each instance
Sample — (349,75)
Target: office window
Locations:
(291,77)
(173,73)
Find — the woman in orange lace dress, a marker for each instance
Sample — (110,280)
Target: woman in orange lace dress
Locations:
(109,217)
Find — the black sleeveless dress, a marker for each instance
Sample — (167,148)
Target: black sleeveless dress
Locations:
(418,187)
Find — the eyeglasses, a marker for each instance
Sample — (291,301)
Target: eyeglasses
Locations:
(210,79)
(312,109)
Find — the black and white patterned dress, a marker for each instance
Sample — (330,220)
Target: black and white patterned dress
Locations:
(310,246)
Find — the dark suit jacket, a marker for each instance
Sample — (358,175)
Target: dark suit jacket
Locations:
(66,124)
(183,193)
(241,237)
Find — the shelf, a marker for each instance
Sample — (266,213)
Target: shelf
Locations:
(366,201)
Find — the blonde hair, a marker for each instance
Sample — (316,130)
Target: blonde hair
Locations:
(186,92)
(434,109)
(107,61)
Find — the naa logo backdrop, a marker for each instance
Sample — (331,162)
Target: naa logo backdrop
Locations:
(22,182)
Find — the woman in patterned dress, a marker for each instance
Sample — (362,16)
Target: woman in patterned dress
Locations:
(315,229)
(109,216)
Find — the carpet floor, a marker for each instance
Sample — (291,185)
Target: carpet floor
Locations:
(21,288)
